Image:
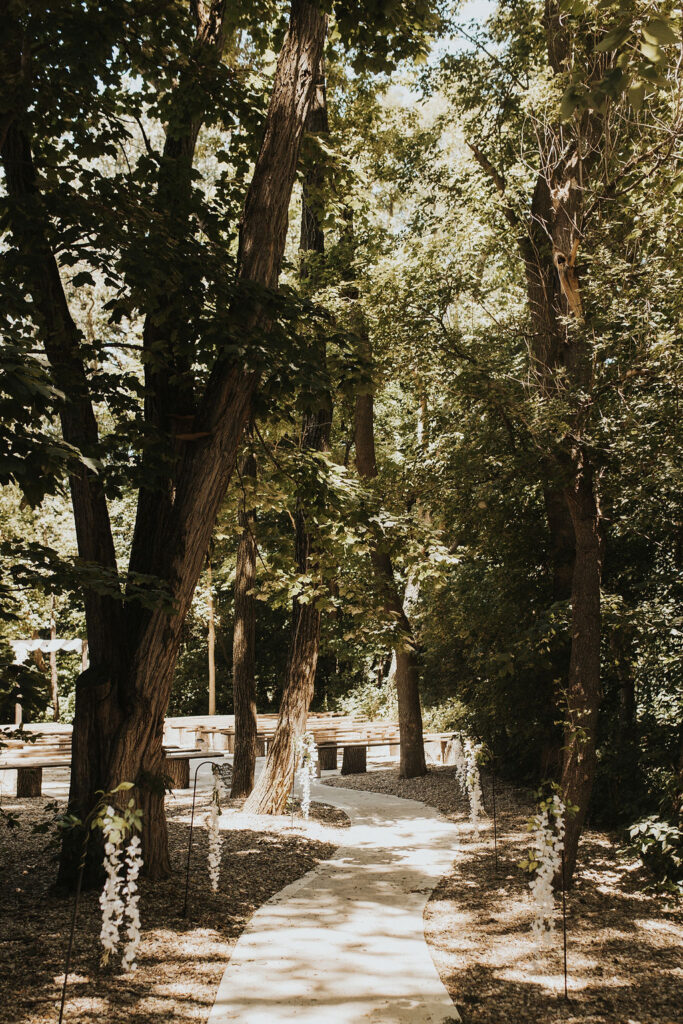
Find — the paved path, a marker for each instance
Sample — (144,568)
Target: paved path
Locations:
(345,944)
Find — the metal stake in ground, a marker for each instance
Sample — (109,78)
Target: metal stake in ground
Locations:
(564,927)
(189,845)
(79,885)
(495,824)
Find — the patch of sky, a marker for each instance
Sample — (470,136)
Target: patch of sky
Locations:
(470,14)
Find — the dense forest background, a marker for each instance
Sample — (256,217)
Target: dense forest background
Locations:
(429,170)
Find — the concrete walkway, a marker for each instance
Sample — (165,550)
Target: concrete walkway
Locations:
(345,944)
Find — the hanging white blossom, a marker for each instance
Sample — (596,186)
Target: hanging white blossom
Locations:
(473,781)
(119,896)
(460,765)
(111,901)
(545,859)
(215,838)
(131,900)
(307,758)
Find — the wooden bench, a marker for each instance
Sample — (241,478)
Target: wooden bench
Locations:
(221,735)
(355,748)
(29,767)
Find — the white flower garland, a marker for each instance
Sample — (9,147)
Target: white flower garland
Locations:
(307,757)
(465,759)
(119,896)
(545,859)
(460,765)
(215,838)
(111,902)
(132,898)
(473,782)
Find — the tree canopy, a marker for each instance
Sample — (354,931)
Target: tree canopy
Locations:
(485,329)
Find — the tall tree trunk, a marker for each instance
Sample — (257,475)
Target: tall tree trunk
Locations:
(211,641)
(584,690)
(244,649)
(54,677)
(272,788)
(560,352)
(118,729)
(413,761)
(562,546)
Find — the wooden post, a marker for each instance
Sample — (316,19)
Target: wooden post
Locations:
(178,771)
(327,758)
(29,782)
(354,761)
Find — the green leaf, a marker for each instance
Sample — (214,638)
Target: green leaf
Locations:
(572,99)
(651,51)
(636,94)
(650,73)
(659,31)
(615,38)
(83,278)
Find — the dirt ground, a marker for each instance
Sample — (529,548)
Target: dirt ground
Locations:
(180,961)
(625,944)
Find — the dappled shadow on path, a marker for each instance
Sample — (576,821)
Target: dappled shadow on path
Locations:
(180,961)
(347,943)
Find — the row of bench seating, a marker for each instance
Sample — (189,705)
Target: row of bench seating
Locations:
(48,746)
(30,753)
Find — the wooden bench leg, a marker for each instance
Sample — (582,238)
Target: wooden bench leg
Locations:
(327,758)
(354,760)
(260,746)
(29,782)
(178,771)
(394,750)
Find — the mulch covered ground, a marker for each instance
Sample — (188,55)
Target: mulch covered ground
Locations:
(625,944)
(180,961)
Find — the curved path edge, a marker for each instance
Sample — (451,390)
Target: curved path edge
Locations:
(345,943)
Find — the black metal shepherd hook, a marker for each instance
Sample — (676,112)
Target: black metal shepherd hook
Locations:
(564,926)
(74,914)
(495,825)
(189,845)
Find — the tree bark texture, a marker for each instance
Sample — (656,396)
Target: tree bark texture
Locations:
(244,649)
(584,689)
(272,788)
(121,699)
(29,782)
(413,762)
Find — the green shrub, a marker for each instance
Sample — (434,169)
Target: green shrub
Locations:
(659,845)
